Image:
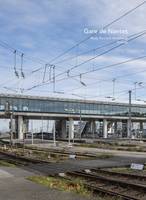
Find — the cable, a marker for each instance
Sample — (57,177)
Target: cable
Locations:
(104,27)
(95,49)
(18,52)
(116,64)
(103,53)
(109,24)
(42,61)
(118,18)
(107,51)
(100,55)
(118,77)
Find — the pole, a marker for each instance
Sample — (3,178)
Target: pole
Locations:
(44,73)
(135,83)
(53,78)
(69,144)
(23,130)
(129,124)
(11,129)
(42,130)
(80,122)
(54,134)
(93,127)
(114,87)
(32,132)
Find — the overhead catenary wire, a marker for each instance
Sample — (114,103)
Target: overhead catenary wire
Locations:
(84,96)
(15,63)
(73,94)
(95,96)
(50,67)
(97,48)
(120,76)
(115,20)
(138,6)
(104,27)
(93,70)
(19,53)
(44,75)
(107,51)
(22,73)
(77,65)
(117,78)
(141,33)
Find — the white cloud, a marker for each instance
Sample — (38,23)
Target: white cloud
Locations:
(35,19)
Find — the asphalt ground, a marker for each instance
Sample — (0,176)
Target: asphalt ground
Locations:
(15,186)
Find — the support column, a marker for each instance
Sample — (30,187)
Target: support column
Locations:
(115,128)
(93,128)
(20,127)
(104,128)
(71,128)
(141,126)
(128,128)
(63,129)
(26,125)
(141,130)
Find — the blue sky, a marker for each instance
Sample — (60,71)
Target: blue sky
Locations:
(44,29)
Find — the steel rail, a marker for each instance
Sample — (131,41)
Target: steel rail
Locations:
(136,176)
(107,179)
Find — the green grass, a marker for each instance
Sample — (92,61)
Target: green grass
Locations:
(6,164)
(104,155)
(76,186)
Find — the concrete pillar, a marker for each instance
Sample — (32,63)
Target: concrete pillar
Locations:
(26,125)
(63,129)
(141,129)
(93,128)
(71,128)
(105,128)
(141,126)
(20,127)
(115,128)
(128,129)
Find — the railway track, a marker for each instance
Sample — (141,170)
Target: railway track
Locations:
(18,160)
(123,175)
(106,182)
(62,152)
(114,187)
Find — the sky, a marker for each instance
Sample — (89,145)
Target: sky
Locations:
(42,30)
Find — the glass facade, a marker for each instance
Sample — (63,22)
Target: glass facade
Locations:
(19,104)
